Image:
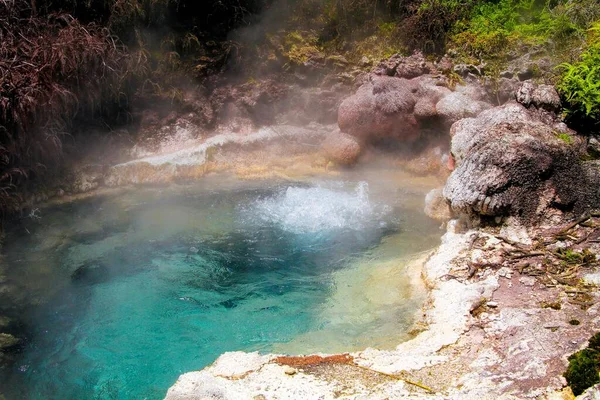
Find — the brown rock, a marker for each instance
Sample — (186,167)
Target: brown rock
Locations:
(341,148)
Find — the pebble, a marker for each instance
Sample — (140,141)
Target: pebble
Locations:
(492,304)
(505,272)
(527,280)
(290,371)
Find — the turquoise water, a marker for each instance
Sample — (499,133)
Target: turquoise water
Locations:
(122,294)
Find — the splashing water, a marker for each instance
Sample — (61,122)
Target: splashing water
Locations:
(303,210)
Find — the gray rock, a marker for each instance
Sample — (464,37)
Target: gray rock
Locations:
(506,89)
(466,69)
(540,96)
(525,93)
(457,106)
(509,162)
(436,206)
(546,97)
(592,393)
(593,146)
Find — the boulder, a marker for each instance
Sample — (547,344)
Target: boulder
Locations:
(457,106)
(388,107)
(540,96)
(341,148)
(436,206)
(509,161)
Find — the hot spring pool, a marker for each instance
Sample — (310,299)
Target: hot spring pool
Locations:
(121,294)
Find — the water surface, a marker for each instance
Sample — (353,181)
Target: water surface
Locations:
(121,294)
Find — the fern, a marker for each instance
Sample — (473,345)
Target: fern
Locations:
(580,81)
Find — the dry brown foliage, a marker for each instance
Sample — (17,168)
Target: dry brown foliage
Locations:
(51,68)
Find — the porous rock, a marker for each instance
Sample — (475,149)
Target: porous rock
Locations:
(341,148)
(388,107)
(510,162)
(436,206)
(540,96)
(457,106)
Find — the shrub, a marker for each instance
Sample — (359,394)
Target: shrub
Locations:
(51,68)
(579,83)
(431,21)
(493,25)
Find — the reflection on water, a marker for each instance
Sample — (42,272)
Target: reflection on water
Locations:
(124,293)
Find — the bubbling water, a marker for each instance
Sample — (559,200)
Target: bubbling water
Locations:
(319,209)
(129,291)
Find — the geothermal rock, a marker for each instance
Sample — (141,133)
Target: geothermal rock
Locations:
(540,96)
(387,107)
(457,106)
(341,148)
(510,162)
(436,206)
(405,67)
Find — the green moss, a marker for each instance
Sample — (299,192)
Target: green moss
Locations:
(298,46)
(565,138)
(572,257)
(582,372)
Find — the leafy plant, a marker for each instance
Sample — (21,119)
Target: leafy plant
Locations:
(579,83)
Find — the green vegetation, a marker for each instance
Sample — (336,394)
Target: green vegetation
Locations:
(63,62)
(580,82)
(584,365)
(564,137)
(576,258)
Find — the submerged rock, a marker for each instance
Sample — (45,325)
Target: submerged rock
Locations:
(90,273)
(509,161)
(8,340)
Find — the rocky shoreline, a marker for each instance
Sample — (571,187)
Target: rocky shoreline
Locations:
(512,289)
(513,285)
(492,334)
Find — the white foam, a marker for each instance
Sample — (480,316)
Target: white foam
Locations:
(317,209)
(195,153)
